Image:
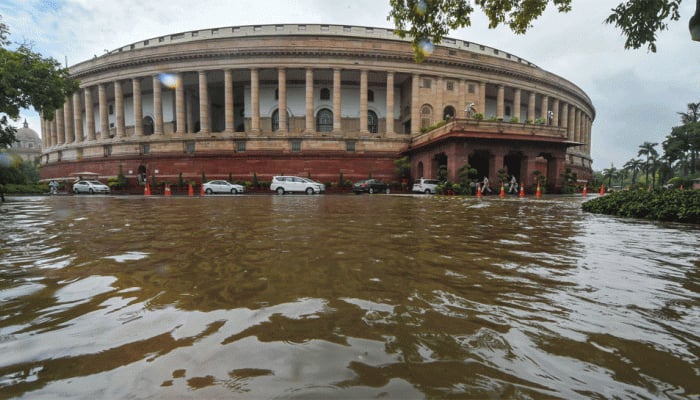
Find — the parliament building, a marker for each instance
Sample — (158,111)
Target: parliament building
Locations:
(315,100)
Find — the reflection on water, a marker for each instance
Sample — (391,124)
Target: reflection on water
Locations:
(343,297)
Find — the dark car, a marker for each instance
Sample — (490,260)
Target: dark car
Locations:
(370,186)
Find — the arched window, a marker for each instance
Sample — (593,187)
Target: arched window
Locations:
(325,94)
(147,125)
(448,113)
(324,120)
(507,111)
(426,116)
(419,169)
(276,120)
(370,96)
(372,122)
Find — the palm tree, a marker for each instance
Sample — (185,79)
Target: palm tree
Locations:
(610,173)
(647,149)
(634,165)
(692,115)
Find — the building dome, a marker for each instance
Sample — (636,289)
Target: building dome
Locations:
(28,144)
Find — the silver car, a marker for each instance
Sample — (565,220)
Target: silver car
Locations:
(427,186)
(90,187)
(222,187)
(294,184)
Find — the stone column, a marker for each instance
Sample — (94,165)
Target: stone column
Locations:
(282,100)
(60,126)
(415,106)
(203,103)
(363,102)
(119,108)
(77,117)
(462,98)
(390,104)
(104,118)
(309,101)
(500,102)
(68,121)
(565,116)
(89,115)
(255,100)
(138,109)
(517,93)
(481,106)
(545,108)
(52,130)
(180,113)
(337,102)
(439,101)
(572,123)
(228,101)
(190,118)
(555,110)
(157,106)
(531,107)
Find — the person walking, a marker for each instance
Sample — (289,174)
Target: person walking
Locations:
(513,185)
(485,185)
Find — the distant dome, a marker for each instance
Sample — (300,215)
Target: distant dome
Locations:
(28,144)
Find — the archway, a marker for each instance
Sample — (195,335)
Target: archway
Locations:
(513,162)
(324,120)
(439,161)
(479,160)
(448,113)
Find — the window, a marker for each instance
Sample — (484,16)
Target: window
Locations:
(507,110)
(448,113)
(471,88)
(450,85)
(296,146)
(110,109)
(276,120)
(145,148)
(426,116)
(240,146)
(189,147)
(372,122)
(277,94)
(325,94)
(350,146)
(370,96)
(147,125)
(107,150)
(324,120)
(427,83)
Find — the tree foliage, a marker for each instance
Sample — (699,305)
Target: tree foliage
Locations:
(428,21)
(27,79)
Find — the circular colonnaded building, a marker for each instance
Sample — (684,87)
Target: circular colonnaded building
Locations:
(315,100)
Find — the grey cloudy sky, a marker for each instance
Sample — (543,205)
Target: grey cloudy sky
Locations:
(637,94)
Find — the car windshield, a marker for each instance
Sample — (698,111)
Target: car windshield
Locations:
(95,182)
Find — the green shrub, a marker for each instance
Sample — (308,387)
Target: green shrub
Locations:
(661,205)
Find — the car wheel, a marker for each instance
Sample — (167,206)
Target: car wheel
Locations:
(234,191)
(76,191)
(280,190)
(427,191)
(208,191)
(91,191)
(371,190)
(309,191)
(386,190)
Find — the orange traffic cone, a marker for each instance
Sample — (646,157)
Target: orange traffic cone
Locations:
(503,191)
(190,191)
(478,190)
(167,190)
(585,190)
(522,191)
(538,193)
(602,189)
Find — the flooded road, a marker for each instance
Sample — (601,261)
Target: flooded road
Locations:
(342,296)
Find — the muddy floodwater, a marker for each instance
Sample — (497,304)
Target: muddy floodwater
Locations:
(343,297)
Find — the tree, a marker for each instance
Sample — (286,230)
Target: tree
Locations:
(428,21)
(647,149)
(683,144)
(28,80)
(610,174)
(634,165)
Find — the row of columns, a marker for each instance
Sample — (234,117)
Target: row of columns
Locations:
(67,127)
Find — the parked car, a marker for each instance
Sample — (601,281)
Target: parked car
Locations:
(427,186)
(90,187)
(323,187)
(222,187)
(370,186)
(294,184)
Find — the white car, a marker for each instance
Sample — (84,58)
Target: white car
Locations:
(294,184)
(90,187)
(222,187)
(323,187)
(427,186)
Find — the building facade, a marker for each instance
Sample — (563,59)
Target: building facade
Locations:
(314,100)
